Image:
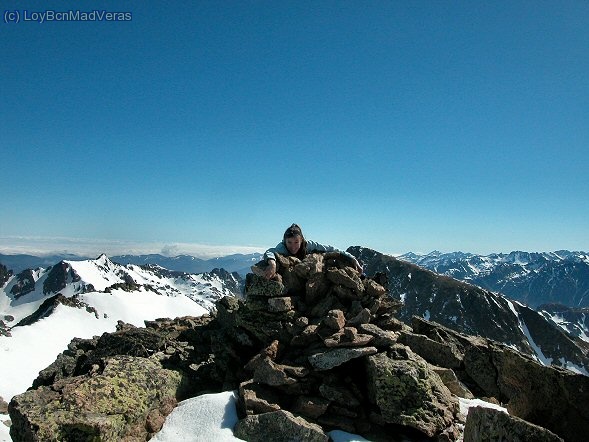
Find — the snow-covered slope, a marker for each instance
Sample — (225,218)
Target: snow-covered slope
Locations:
(104,293)
(24,293)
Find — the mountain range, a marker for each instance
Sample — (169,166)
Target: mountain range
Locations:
(24,295)
(555,335)
(473,310)
(534,279)
(239,263)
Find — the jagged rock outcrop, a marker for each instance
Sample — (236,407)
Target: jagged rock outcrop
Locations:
(5,274)
(58,277)
(319,348)
(25,283)
(474,311)
(548,396)
(49,305)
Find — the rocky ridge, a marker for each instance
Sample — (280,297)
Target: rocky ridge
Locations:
(319,348)
(474,310)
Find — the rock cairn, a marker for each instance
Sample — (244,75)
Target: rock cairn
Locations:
(331,357)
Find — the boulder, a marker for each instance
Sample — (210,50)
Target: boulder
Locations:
(488,425)
(408,392)
(278,426)
(334,358)
(109,404)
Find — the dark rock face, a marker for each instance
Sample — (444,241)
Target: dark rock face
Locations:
(4,274)
(58,276)
(318,349)
(25,283)
(47,307)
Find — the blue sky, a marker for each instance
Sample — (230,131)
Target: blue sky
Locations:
(397,125)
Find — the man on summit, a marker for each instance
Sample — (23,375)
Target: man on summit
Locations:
(294,244)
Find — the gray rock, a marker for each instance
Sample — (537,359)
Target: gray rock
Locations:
(334,320)
(408,392)
(278,426)
(382,338)
(258,398)
(259,286)
(280,304)
(269,373)
(108,405)
(363,317)
(489,425)
(334,358)
(444,354)
(343,278)
(310,406)
(451,381)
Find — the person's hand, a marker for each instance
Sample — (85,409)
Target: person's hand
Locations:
(270,270)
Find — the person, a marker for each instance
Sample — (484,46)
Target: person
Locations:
(294,244)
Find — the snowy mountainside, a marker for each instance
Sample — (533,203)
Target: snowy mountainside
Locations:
(42,309)
(23,293)
(574,320)
(531,278)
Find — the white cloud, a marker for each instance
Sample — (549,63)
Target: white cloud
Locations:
(40,246)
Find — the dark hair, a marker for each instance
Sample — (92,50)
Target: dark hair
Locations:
(293,231)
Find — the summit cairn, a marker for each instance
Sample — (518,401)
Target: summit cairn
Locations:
(331,356)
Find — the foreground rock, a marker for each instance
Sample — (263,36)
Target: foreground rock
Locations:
(126,400)
(320,348)
(487,424)
(278,426)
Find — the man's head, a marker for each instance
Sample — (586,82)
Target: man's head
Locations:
(293,239)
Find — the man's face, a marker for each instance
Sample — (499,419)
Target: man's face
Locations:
(293,244)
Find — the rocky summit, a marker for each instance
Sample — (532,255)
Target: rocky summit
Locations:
(318,348)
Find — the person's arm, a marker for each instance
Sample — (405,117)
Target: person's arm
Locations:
(270,253)
(270,259)
(313,246)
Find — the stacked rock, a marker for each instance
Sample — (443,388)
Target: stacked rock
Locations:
(328,332)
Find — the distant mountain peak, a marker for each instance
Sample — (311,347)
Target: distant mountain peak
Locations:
(71,278)
(533,278)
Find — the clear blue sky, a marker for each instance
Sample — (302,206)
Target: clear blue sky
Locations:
(397,125)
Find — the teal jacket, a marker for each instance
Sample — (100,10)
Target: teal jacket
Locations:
(312,246)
